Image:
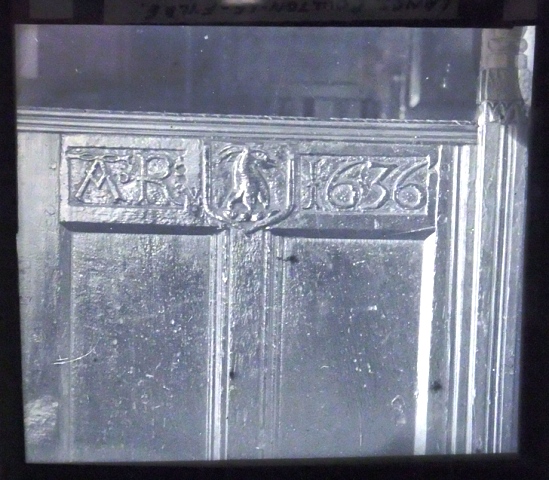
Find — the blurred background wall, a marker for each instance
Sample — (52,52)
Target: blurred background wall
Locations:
(296,71)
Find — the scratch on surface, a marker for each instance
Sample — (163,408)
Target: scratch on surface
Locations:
(398,405)
(360,435)
(408,232)
(62,361)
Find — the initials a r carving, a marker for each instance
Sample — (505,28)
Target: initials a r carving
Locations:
(130,177)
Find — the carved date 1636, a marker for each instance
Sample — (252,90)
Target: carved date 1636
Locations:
(359,184)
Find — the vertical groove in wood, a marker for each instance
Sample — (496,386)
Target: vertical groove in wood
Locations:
(459,300)
(210,395)
(265,343)
(511,362)
(273,320)
(502,295)
(280,356)
(212,401)
(443,362)
(494,312)
(452,294)
(217,366)
(67,431)
(476,281)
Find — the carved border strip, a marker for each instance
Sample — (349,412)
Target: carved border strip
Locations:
(491,386)
(495,317)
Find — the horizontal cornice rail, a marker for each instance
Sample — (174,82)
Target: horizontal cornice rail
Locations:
(288,128)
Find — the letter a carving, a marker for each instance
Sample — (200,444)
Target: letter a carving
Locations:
(98,174)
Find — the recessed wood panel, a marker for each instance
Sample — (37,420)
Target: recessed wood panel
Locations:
(139,347)
(349,351)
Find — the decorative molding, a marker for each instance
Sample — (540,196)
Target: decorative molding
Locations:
(499,84)
(284,129)
(525,64)
(505,80)
(502,112)
(500,47)
(496,276)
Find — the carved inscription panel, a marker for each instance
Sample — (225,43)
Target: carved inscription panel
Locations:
(249,185)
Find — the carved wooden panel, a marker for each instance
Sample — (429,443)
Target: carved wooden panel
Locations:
(139,345)
(228,287)
(250,185)
(358,399)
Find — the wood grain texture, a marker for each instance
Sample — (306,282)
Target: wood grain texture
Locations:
(349,347)
(139,347)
